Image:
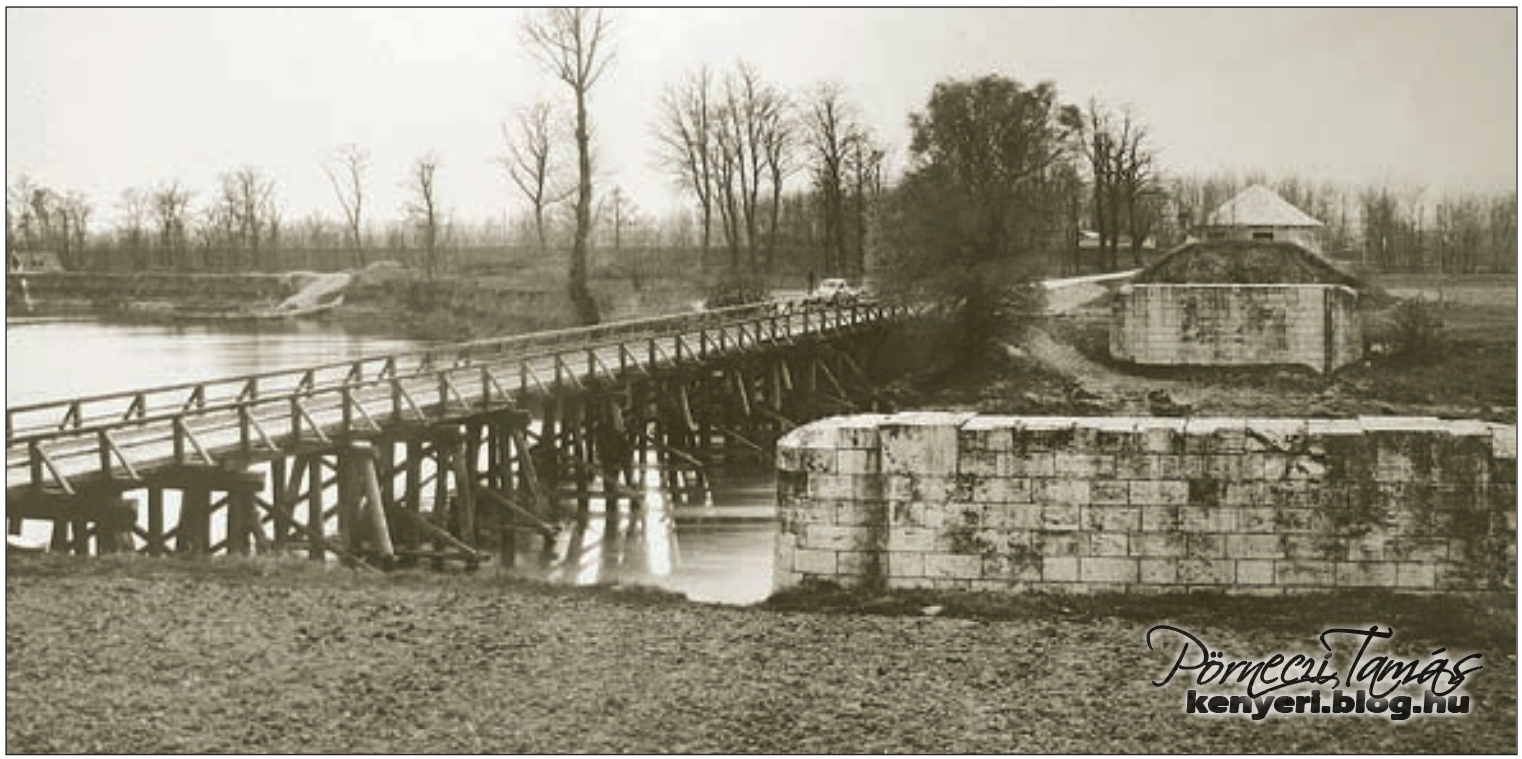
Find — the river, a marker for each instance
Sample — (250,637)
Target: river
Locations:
(719,551)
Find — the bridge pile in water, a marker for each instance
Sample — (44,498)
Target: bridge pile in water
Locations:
(493,437)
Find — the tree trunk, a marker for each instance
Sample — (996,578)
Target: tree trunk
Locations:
(581,296)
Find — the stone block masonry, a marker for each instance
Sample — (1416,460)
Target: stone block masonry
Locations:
(1236,325)
(1262,506)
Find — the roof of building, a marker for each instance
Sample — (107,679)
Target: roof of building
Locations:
(1244,262)
(1258,206)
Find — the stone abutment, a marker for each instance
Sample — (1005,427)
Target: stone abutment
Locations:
(1255,506)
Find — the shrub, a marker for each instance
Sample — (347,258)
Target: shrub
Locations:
(1418,330)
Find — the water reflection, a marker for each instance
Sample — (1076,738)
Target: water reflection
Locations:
(711,553)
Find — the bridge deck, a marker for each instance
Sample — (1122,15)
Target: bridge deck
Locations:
(117,440)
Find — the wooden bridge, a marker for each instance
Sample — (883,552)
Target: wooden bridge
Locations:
(439,454)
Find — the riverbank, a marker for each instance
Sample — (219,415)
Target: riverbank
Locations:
(382,300)
(127,655)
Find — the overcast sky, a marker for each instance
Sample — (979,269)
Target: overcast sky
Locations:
(102,100)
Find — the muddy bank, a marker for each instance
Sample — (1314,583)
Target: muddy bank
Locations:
(136,655)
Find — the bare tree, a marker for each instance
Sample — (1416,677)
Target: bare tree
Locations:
(248,198)
(423,209)
(685,130)
(833,135)
(74,209)
(23,199)
(777,145)
(530,166)
(135,206)
(1126,192)
(755,117)
(346,173)
(171,204)
(571,43)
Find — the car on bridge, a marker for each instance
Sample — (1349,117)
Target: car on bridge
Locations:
(836,292)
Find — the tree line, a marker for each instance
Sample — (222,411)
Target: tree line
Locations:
(1000,177)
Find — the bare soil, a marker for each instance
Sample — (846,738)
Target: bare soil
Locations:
(127,655)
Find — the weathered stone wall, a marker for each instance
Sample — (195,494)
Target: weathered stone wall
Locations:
(1214,325)
(1010,504)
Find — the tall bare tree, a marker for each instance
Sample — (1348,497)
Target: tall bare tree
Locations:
(755,119)
(346,173)
(685,130)
(75,210)
(572,44)
(171,208)
(777,148)
(836,138)
(530,165)
(249,200)
(135,206)
(423,209)
(1122,166)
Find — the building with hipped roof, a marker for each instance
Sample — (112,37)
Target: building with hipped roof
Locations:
(1258,213)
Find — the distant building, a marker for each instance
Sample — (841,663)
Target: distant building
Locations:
(1248,302)
(1258,213)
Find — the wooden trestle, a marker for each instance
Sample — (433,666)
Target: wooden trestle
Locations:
(453,454)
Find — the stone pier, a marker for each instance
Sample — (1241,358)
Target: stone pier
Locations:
(1143,505)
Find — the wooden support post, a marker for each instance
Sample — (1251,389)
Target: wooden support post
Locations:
(641,409)
(385,470)
(705,405)
(60,542)
(114,530)
(778,387)
(375,512)
(576,426)
(742,392)
(350,490)
(465,494)
(241,519)
(442,466)
(411,535)
(156,521)
(278,495)
(494,455)
(193,534)
(80,531)
(316,524)
(469,477)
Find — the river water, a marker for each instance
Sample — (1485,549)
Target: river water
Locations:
(715,549)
